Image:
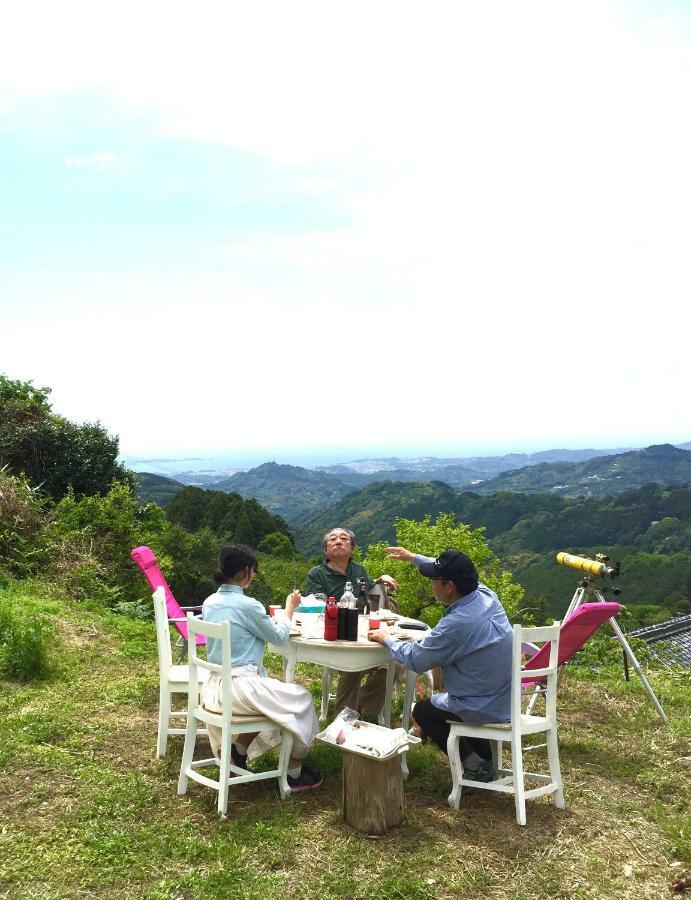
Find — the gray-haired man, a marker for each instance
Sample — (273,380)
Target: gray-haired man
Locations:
(330,578)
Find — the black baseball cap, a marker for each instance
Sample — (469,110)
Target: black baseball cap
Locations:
(452,565)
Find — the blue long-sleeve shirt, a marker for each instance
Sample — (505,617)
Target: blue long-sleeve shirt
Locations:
(250,627)
(473,645)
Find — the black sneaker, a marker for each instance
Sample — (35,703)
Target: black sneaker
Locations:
(307,780)
(238,759)
(484,772)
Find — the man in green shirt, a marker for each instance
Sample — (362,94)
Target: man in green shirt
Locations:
(330,578)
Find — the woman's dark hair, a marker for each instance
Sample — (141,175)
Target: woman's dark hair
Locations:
(233,559)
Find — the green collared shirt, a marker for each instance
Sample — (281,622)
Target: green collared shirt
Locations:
(325,580)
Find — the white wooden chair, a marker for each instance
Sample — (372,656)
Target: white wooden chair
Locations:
(173,679)
(512,781)
(229,724)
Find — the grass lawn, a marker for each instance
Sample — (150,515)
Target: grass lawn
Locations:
(86,810)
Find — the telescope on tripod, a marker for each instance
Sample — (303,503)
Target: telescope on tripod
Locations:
(590,590)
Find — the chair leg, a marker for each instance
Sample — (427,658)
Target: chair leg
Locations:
(533,699)
(326,690)
(224,775)
(284,757)
(164,707)
(497,748)
(452,748)
(187,752)
(518,778)
(555,767)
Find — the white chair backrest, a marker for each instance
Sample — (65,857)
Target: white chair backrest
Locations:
(216,631)
(165,654)
(548,674)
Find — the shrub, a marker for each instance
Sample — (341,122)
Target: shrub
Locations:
(189,562)
(89,542)
(52,451)
(277,577)
(21,525)
(603,650)
(276,544)
(26,633)
(415,594)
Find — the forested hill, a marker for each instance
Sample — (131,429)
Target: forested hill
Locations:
(156,488)
(605,475)
(370,512)
(291,491)
(298,494)
(656,519)
(648,530)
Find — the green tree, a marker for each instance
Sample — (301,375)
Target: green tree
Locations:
(415,594)
(188,562)
(276,544)
(50,450)
(278,576)
(677,604)
(244,533)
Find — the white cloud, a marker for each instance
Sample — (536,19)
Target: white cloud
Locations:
(517,209)
(100,161)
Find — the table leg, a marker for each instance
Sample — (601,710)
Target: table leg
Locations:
(409,695)
(326,690)
(390,675)
(407,707)
(289,666)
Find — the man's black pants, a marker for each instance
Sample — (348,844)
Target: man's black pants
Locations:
(434,725)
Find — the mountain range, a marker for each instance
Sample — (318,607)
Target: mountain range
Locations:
(310,499)
(599,477)
(297,494)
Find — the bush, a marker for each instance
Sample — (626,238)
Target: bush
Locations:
(276,544)
(21,525)
(277,577)
(26,633)
(189,562)
(51,451)
(603,651)
(89,542)
(415,594)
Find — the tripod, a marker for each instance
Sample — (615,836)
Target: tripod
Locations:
(587,592)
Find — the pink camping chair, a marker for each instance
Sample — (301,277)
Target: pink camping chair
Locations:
(145,560)
(574,632)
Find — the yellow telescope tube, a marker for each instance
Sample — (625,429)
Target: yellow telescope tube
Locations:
(591,566)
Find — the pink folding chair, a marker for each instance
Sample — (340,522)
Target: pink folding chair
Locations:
(145,560)
(574,632)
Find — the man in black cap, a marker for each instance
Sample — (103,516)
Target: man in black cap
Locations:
(473,645)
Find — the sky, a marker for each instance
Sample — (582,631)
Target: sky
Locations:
(307,229)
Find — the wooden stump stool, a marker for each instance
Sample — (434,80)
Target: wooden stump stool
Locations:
(373,798)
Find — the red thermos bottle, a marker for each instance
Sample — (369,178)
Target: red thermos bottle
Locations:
(331,620)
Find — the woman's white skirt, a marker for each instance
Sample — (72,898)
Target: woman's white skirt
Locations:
(289,705)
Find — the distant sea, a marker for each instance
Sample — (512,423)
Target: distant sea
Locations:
(309,458)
